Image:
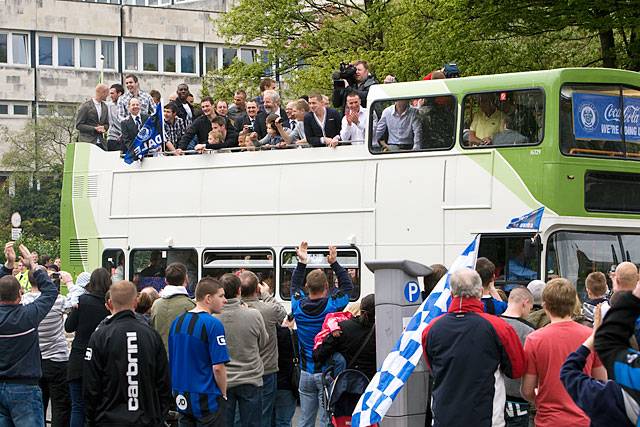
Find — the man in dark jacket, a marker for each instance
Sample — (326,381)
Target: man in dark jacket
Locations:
(271,106)
(467,351)
(363,82)
(622,362)
(20,395)
(198,132)
(92,120)
(132,125)
(604,402)
(187,112)
(321,125)
(126,374)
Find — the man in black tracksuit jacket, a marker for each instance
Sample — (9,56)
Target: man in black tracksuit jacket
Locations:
(126,374)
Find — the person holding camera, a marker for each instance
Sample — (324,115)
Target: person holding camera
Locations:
(352,78)
(277,135)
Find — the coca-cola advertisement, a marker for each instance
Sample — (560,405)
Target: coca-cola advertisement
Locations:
(606,117)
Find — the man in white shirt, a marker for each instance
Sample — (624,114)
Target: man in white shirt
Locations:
(354,121)
(401,122)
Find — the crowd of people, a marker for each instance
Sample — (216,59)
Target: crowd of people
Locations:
(538,356)
(227,355)
(231,355)
(113,117)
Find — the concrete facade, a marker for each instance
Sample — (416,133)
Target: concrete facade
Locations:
(35,75)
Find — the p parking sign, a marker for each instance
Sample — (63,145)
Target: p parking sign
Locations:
(412,291)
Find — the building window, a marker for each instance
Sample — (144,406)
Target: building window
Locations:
(45,50)
(149,57)
(87,53)
(3,49)
(20,110)
(169,58)
(77,52)
(14,48)
(10,109)
(188,59)
(108,54)
(131,56)
(227,56)
(65,52)
(210,59)
(248,56)
(20,43)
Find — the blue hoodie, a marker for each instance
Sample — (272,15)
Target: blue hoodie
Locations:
(19,349)
(310,313)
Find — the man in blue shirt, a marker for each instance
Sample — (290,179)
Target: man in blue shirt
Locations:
(197,354)
(491,299)
(309,312)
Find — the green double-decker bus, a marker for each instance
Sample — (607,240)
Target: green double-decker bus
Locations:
(442,160)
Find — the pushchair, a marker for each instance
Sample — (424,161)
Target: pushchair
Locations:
(342,394)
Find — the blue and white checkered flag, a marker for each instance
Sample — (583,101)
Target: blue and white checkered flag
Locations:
(403,359)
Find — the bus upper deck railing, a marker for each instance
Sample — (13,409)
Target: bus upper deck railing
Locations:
(240,149)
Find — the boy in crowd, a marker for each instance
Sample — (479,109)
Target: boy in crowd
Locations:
(596,285)
(491,299)
(546,350)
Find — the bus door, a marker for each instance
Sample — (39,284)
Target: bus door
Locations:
(113,256)
(515,255)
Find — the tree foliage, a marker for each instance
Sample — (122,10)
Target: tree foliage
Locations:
(410,38)
(35,159)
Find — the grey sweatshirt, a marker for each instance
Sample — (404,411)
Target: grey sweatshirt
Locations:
(273,314)
(246,336)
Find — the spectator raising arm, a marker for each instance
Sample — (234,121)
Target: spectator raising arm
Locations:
(299,274)
(345,286)
(612,342)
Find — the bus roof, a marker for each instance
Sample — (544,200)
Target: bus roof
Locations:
(501,82)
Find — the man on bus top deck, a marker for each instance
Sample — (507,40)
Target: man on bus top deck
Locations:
(309,312)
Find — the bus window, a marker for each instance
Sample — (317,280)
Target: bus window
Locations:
(592,122)
(503,118)
(577,254)
(349,258)
(419,124)
(147,266)
(216,262)
(517,258)
(113,260)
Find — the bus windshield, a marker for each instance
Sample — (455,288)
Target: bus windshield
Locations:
(600,120)
(574,255)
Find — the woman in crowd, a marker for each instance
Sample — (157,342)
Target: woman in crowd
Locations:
(83,320)
(356,341)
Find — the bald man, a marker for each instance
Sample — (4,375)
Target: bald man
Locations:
(126,375)
(92,120)
(626,277)
(518,308)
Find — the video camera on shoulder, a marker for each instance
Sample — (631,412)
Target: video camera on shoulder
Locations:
(347,72)
(451,70)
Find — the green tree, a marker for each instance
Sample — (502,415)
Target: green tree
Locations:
(222,84)
(409,38)
(614,24)
(35,159)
